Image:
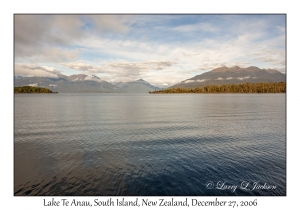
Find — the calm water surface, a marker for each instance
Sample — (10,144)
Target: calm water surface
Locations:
(142,144)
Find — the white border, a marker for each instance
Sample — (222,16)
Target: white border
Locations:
(8,8)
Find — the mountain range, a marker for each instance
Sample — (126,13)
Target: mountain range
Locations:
(234,75)
(81,83)
(138,86)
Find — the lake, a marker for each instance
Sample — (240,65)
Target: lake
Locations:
(146,144)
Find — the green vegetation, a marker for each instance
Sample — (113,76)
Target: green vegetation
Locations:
(277,87)
(30,89)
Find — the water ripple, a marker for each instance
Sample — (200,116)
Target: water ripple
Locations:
(148,145)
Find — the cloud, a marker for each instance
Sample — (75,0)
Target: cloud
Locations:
(82,66)
(199,80)
(204,27)
(185,54)
(92,78)
(110,23)
(219,78)
(160,48)
(203,68)
(120,68)
(281,29)
(33,85)
(64,29)
(44,38)
(36,54)
(35,70)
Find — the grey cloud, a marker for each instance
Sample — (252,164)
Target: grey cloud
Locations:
(43,38)
(46,54)
(35,70)
(128,66)
(159,65)
(121,69)
(40,37)
(114,23)
(87,68)
(63,29)
(185,54)
(47,29)
(81,65)
(267,59)
(114,69)
(282,63)
(137,68)
(274,60)
(30,29)
(202,68)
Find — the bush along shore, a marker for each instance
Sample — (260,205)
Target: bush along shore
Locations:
(276,87)
(30,89)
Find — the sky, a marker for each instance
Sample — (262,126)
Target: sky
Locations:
(161,49)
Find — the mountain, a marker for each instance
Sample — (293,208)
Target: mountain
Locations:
(78,83)
(234,75)
(18,77)
(138,86)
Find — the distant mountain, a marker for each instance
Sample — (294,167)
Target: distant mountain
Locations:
(234,75)
(138,86)
(79,83)
(18,77)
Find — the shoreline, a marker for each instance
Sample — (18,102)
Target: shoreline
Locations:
(218,93)
(35,93)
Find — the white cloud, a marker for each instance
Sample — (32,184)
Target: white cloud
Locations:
(35,70)
(82,66)
(204,27)
(91,78)
(199,80)
(111,45)
(219,78)
(38,54)
(121,68)
(33,85)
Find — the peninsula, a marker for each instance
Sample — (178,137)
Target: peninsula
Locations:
(30,89)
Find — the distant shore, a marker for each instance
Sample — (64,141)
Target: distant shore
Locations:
(276,87)
(32,93)
(31,90)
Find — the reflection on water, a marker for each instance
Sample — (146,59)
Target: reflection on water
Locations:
(135,144)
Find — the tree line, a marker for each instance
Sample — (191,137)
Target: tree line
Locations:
(30,89)
(276,87)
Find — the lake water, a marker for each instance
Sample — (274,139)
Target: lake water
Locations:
(145,144)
